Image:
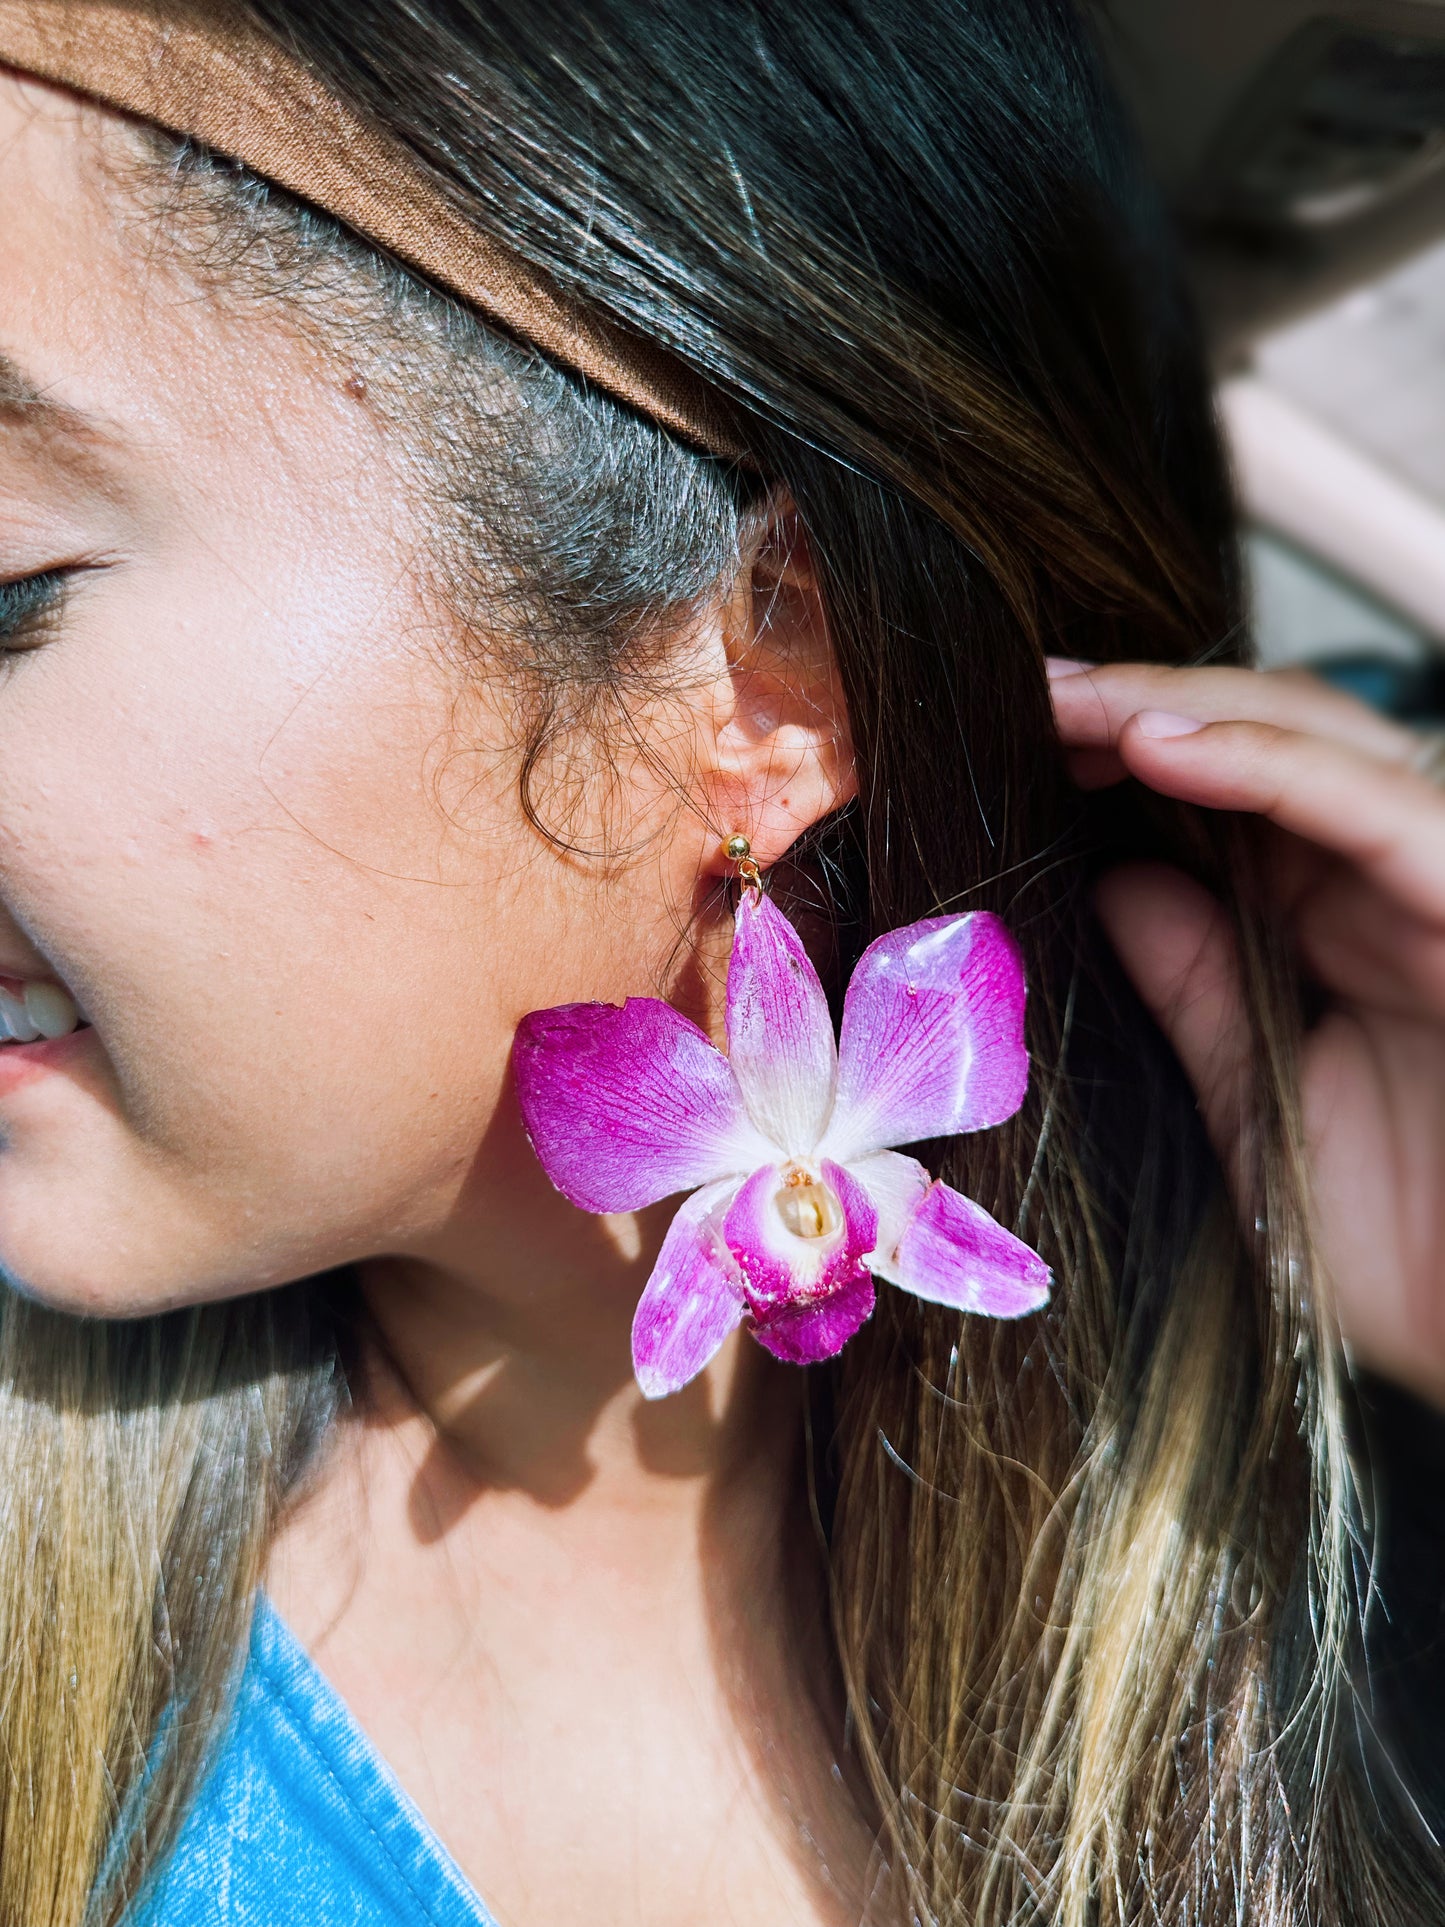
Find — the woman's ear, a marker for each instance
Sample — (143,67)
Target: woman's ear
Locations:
(781,755)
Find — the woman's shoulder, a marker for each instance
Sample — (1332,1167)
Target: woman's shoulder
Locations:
(300,1820)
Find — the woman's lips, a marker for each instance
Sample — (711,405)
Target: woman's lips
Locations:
(22,1064)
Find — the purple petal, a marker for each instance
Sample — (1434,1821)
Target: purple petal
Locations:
(692,1300)
(896,1186)
(780,1034)
(809,1333)
(782,1269)
(626,1106)
(953,1253)
(933,1036)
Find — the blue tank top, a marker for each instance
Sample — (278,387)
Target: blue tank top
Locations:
(300,1823)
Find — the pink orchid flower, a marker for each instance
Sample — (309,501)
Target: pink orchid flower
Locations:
(798,1199)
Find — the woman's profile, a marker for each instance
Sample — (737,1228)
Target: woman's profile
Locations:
(704,1108)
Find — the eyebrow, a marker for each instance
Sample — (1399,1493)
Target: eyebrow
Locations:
(62,435)
(25,402)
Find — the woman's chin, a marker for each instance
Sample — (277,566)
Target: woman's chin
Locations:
(89,1250)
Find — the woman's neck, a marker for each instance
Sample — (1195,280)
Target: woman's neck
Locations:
(510,1556)
(538,1397)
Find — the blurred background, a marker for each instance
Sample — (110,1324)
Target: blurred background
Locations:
(1302,147)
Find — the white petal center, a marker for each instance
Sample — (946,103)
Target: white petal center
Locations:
(808,1208)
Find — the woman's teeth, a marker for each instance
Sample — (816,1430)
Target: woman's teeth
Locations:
(44,1010)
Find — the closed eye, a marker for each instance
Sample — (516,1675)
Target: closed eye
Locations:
(28,608)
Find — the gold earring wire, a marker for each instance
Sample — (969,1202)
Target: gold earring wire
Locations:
(737,849)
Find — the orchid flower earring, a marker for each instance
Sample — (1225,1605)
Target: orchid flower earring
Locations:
(799,1200)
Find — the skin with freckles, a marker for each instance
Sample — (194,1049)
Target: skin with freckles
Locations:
(263,825)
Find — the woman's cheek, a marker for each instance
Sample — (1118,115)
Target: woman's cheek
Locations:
(251,892)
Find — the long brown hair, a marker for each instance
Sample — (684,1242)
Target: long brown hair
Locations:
(1093,1578)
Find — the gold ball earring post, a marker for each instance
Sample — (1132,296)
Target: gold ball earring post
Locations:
(738,849)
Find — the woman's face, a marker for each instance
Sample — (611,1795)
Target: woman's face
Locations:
(253,816)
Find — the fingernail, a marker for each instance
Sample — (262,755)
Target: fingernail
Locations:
(1061,666)
(1163,722)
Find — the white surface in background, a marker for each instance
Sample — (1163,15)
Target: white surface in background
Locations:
(1372,367)
(1303,613)
(1305,480)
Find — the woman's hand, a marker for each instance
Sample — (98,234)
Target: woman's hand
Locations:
(1359,855)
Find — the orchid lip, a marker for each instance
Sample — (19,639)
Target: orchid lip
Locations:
(797,1233)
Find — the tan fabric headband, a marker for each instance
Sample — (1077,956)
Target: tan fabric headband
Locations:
(234,91)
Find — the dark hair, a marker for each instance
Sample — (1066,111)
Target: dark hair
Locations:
(1091,1577)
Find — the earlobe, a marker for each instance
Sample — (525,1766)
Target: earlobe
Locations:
(784,755)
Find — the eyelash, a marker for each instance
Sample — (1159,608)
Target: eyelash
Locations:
(28,608)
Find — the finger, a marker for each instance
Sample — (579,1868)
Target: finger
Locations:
(1366,948)
(1373,1109)
(1387,820)
(1175,943)
(1094,769)
(1093,704)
